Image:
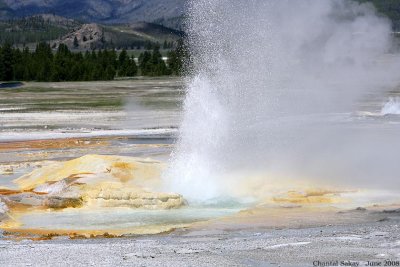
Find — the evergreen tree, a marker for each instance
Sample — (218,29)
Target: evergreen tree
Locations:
(63,65)
(126,66)
(132,68)
(122,58)
(158,65)
(6,63)
(176,58)
(27,61)
(109,72)
(19,65)
(145,64)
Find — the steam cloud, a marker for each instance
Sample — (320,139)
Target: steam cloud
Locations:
(272,94)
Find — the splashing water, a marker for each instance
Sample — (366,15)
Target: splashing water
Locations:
(392,107)
(270,86)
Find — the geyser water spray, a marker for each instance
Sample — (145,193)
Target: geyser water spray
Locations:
(270,93)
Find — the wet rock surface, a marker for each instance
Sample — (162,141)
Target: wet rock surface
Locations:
(45,201)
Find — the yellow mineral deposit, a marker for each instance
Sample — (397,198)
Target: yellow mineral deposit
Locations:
(274,188)
(111,181)
(89,183)
(315,196)
(123,169)
(92,183)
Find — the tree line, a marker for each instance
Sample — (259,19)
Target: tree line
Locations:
(45,65)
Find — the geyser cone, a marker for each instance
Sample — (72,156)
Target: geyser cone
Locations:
(270,94)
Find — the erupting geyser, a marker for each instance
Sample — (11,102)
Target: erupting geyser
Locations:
(272,94)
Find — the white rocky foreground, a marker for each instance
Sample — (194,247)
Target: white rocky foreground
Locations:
(249,246)
(260,236)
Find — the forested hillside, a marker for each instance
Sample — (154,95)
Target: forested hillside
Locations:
(80,36)
(35,29)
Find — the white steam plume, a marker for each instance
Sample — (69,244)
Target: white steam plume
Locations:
(271,91)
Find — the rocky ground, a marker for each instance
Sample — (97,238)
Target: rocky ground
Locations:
(304,230)
(286,231)
(352,244)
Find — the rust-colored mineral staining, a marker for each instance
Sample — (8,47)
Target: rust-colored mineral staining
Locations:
(54,144)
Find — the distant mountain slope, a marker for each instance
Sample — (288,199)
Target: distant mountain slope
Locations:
(166,12)
(104,11)
(35,29)
(56,29)
(154,31)
(90,36)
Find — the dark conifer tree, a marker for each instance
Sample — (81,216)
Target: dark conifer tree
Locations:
(6,63)
(132,68)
